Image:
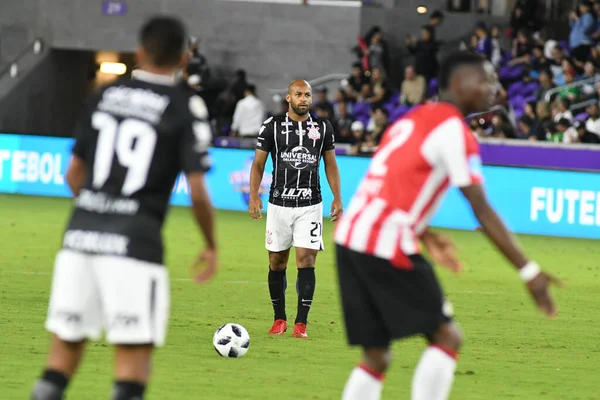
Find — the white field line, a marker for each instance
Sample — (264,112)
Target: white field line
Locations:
(246,282)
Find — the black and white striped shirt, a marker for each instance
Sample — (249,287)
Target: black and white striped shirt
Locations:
(296,149)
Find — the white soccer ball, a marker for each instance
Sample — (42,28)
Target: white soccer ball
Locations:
(231,340)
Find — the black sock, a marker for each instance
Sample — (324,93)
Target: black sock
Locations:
(277,286)
(50,386)
(305,286)
(125,390)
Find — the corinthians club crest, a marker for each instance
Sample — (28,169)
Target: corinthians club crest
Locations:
(313,133)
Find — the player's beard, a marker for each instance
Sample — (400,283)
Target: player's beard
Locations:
(298,110)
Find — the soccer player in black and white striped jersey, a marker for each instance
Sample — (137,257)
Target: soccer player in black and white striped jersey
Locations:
(296,142)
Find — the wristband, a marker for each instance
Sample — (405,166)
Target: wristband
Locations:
(529,271)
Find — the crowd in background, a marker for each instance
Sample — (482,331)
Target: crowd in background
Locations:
(538,94)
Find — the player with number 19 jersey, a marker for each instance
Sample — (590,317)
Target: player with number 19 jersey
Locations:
(122,205)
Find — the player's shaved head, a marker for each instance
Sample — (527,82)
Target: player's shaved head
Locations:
(299,96)
(299,84)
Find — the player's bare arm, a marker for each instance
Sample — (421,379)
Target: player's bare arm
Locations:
(442,250)
(255,206)
(333,178)
(538,281)
(76,174)
(203,212)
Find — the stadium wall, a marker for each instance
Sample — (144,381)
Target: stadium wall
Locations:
(275,43)
(48,97)
(533,201)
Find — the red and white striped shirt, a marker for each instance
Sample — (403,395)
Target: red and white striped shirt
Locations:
(419,157)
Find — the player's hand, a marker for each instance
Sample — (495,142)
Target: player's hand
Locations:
(255,207)
(205,266)
(442,251)
(336,209)
(539,289)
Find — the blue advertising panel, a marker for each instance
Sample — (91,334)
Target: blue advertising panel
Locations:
(536,201)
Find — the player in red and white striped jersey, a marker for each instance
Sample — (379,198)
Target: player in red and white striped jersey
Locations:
(389,291)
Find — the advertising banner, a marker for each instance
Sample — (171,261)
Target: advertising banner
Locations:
(535,201)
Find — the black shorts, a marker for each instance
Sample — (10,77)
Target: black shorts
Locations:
(381,302)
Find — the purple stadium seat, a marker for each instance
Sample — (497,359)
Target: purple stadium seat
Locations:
(515,89)
(398,112)
(432,87)
(530,88)
(362,109)
(529,99)
(581,116)
(513,72)
(394,98)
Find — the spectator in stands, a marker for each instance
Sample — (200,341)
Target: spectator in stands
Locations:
(284,106)
(323,101)
(413,87)
(525,124)
(593,122)
(502,127)
(355,81)
(496,48)
(560,128)
(582,27)
(521,48)
(523,16)
(583,135)
(238,87)
(365,93)
(546,84)
(539,61)
(378,123)
(197,68)
(249,114)
(358,135)
(596,12)
(380,86)
(544,115)
(572,92)
(425,51)
(562,109)
(436,18)
(343,118)
(558,58)
(484,41)
(322,110)
(591,76)
(377,52)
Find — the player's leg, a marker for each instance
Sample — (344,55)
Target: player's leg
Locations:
(74,315)
(308,241)
(364,327)
(135,298)
(305,287)
(277,285)
(278,242)
(132,371)
(434,375)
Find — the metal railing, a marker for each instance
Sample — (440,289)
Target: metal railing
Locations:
(315,82)
(494,109)
(559,89)
(12,68)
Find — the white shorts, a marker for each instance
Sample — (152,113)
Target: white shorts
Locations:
(294,226)
(125,297)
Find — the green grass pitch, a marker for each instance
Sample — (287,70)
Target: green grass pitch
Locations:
(510,351)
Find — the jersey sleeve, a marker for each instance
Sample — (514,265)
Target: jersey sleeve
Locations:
(459,153)
(83,133)
(266,136)
(197,136)
(328,136)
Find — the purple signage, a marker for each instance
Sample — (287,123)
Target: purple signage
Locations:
(566,157)
(114,7)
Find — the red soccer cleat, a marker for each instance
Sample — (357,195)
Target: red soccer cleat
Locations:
(300,330)
(279,327)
